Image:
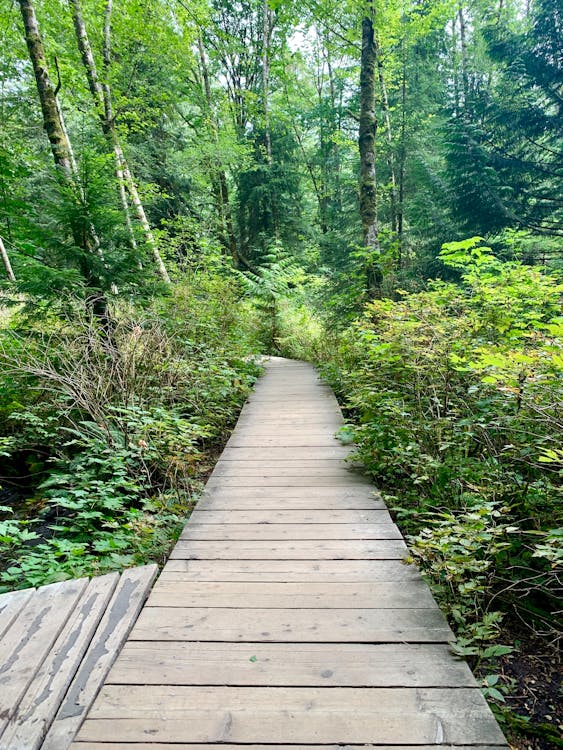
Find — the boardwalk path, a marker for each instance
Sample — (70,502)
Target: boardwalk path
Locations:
(285,616)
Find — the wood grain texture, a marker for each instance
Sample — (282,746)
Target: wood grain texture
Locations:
(28,641)
(11,604)
(288,532)
(288,571)
(379,549)
(111,633)
(174,593)
(289,664)
(296,516)
(33,717)
(294,715)
(292,625)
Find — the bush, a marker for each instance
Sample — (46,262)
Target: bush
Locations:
(114,428)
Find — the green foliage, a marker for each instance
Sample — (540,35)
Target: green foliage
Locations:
(457,399)
(115,432)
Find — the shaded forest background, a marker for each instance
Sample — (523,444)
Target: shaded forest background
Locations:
(373,187)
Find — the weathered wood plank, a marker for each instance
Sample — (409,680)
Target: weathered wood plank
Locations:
(262,494)
(289,664)
(292,625)
(232,453)
(27,728)
(228,517)
(380,549)
(267,500)
(11,604)
(112,631)
(297,571)
(287,480)
(293,440)
(291,531)
(279,469)
(294,715)
(28,641)
(410,595)
(225,746)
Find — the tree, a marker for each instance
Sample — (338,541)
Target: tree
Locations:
(366,141)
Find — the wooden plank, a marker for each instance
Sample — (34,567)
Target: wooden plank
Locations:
(11,604)
(38,707)
(382,549)
(292,625)
(317,440)
(232,453)
(111,633)
(225,746)
(263,493)
(274,469)
(290,571)
(28,641)
(318,462)
(292,715)
(174,593)
(228,517)
(289,531)
(287,480)
(290,664)
(288,501)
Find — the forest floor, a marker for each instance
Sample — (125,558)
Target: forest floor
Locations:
(533,675)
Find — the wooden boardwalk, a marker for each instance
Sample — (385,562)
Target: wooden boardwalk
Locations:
(57,644)
(285,616)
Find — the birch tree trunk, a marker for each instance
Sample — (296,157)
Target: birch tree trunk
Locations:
(101,95)
(6,261)
(53,122)
(366,142)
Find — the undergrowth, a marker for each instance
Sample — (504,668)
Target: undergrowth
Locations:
(106,437)
(455,399)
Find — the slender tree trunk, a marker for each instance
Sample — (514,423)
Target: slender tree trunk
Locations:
(266,41)
(389,135)
(60,146)
(464,63)
(221,186)
(84,236)
(122,164)
(335,127)
(402,158)
(54,125)
(6,261)
(101,95)
(366,140)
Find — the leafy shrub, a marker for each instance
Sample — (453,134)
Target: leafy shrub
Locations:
(457,397)
(114,427)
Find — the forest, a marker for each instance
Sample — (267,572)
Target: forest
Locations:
(374,187)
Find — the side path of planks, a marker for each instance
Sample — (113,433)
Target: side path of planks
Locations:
(57,644)
(285,617)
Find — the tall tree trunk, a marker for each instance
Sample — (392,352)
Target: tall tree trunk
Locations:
(6,261)
(464,58)
(221,186)
(101,95)
(402,157)
(84,237)
(366,142)
(266,41)
(389,135)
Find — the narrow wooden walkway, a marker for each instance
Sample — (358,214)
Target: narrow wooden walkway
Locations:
(57,644)
(285,616)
